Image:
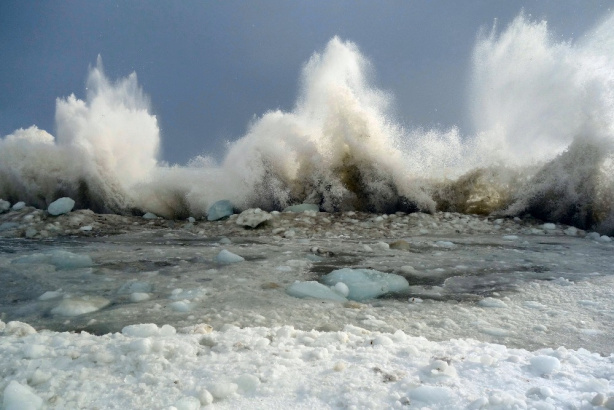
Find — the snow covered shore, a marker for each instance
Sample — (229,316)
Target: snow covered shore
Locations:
(274,368)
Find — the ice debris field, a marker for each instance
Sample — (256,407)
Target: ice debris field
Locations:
(302,309)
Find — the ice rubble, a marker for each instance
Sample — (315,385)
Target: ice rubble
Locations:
(283,367)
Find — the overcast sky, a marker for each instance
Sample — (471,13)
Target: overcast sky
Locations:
(209,67)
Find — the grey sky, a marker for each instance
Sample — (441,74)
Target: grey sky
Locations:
(209,67)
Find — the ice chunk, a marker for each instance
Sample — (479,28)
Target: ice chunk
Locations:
(61,206)
(137,286)
(226,257)
(549,226)
(86,228)
(20,397)
(148,330)
(366,283)
(432,394)
(253,217)
(181,306)
(313,289)
(248,383)
(401,245)
(18,206)
(571,231)
(31,232)
(7,226)
(59,258)
(18,329)
(139,297)
(150,215)
(545,364)
(188,403)
(342,289)
(492,303)
(531,304)
(4,206)
(189,294)
(75,306)
(221,390)
(383,246)
(220,209)
(445,244)
(302,208)
(50,294)
(495,331)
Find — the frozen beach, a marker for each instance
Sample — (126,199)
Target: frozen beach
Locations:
(133,313)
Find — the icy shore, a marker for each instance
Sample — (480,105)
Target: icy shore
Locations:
(490,305)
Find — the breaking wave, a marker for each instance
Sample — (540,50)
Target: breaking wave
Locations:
(543,115)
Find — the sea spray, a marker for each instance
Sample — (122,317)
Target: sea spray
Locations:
(543,114)
(104,146)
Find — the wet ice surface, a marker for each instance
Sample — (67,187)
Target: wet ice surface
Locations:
(519,283)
